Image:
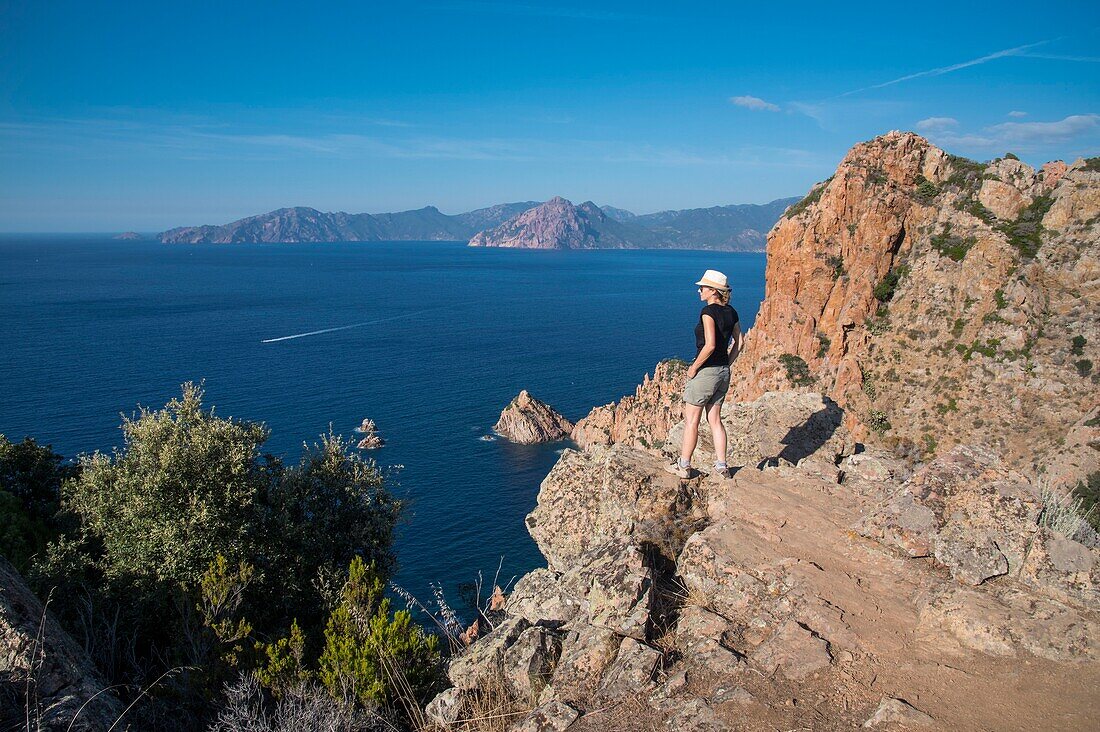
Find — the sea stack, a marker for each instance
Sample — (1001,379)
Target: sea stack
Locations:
(528,421)
(371,439)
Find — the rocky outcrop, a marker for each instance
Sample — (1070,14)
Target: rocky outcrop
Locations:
(642,420)
(934,298)
(832,584)
(527,421)
(559,224)
(715,602)
(370,439)
(128,236)
(57,685)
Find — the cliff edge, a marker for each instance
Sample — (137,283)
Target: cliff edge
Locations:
(876,561)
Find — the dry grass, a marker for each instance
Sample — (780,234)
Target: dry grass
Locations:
(1062,512)
(491,708)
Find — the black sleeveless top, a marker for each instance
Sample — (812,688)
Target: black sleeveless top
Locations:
(725,318)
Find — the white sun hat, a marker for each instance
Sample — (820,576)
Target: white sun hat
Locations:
(714,278)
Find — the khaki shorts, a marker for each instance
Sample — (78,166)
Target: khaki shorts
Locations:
(708,387)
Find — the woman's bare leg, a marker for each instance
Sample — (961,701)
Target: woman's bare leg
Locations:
(718,430)
(692,414)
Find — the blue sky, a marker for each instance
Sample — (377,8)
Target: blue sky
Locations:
(144,116)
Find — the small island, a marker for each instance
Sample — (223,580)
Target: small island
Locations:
(528,421)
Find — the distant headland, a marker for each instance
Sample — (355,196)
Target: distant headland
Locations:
(555,224)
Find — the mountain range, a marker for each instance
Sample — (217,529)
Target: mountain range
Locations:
(559,224)
(555,224)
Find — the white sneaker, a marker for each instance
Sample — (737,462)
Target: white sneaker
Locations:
(678,470)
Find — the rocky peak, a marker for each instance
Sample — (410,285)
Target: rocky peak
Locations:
(558,224)
(935,299)
(527,420)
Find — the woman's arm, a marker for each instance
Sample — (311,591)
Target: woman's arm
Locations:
(711,338)
(737,342)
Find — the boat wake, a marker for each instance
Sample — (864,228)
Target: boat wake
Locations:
(342,327)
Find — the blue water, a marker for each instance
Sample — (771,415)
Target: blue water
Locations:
(444,337)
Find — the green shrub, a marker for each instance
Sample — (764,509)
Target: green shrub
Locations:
(926,190)
(30,493)
(952,246)
(876,176)
(884,290)
(950,406)
(999,299)
(966,175)
(798,373)
(877,421)
(1084,367)
(1011,156)
(1077,345)
(1087,492)
(1025,233)
(188,529)
(1092,165)
(372,655)
(811,198)
(929,445)
(976,208)
(823,344)
(836,263)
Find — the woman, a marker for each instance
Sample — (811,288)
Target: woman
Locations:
(718,340)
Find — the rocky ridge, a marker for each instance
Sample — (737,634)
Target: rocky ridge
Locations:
(559,224)
(939,301)
(527,421)
(303,224)
(841,578)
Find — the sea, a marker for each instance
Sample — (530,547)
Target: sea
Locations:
(429,339)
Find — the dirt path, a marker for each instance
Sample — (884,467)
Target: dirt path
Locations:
(867,604)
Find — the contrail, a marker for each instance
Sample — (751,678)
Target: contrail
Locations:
(342,327)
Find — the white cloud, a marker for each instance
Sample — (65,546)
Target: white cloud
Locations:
(1022,135)
(1017,113)
(937,124)
(756,104)
(1045,132)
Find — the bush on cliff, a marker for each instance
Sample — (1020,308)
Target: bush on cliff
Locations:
(30,489)
(189,494)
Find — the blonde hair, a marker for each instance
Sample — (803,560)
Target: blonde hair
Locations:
(723,296)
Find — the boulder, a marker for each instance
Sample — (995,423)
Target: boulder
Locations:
(39,658)
(528,664)
(587,651)
(552,716)
(778,427)
(539,598)
(696,716)
(448,706)
(632,670)
(483,658)
(1063,568)
(794,651)
(527,421)
(615,588)
(897,711)
(615,494)
(966,508)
